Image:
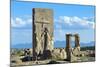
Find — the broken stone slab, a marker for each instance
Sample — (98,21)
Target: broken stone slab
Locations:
(76,51)
(59,54)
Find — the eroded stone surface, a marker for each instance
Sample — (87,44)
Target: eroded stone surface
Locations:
(42,31)
(59,54)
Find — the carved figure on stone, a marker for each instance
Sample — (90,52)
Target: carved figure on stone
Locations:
(46,38)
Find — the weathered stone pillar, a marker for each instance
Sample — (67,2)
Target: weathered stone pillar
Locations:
(68,47)
(77,44)
(42,19)
(72,53)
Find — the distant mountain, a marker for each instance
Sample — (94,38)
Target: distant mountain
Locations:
(59,43)
(56,44)
(92,43)
(22,45)
(63,44)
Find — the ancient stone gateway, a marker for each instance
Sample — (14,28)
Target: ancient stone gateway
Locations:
(42,20)
(72,53)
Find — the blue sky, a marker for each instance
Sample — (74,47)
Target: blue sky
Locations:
(68,18)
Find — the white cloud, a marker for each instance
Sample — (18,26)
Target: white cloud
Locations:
(20,22)
(83,26)
(75,22)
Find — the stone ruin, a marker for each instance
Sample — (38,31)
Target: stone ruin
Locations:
(72,53)
(42,32)
(43,37)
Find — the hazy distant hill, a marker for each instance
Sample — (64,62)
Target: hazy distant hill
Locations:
(63,44)
(25,45)
(92,43)
(56,44)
